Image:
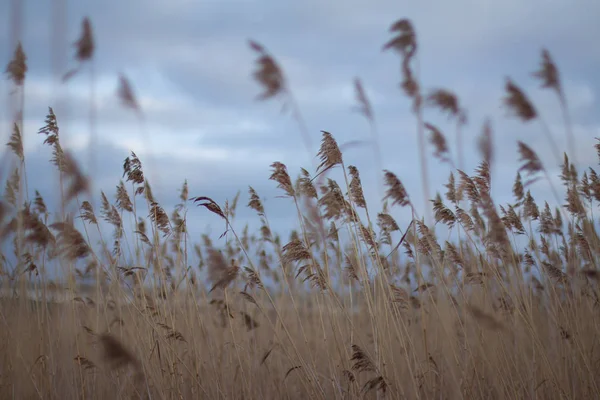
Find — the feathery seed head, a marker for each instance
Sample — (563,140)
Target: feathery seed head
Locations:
(17,67)
(518,103)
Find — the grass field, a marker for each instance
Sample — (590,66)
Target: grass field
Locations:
(471,300)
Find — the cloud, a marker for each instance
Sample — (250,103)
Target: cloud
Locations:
(191,68)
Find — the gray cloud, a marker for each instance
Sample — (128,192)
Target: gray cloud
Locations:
(191,68)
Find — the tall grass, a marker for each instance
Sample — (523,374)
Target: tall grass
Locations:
(352,304)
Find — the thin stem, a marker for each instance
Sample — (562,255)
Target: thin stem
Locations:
(302,124)
(418,105)
(553,145)
(569,127)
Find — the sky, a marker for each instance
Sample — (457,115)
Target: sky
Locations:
(191,68)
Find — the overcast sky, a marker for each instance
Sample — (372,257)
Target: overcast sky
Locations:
(190,65)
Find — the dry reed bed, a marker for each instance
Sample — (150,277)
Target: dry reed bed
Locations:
(351,305)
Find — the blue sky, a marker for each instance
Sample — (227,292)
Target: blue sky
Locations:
(190,65)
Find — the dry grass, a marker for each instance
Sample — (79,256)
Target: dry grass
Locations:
(353,304)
